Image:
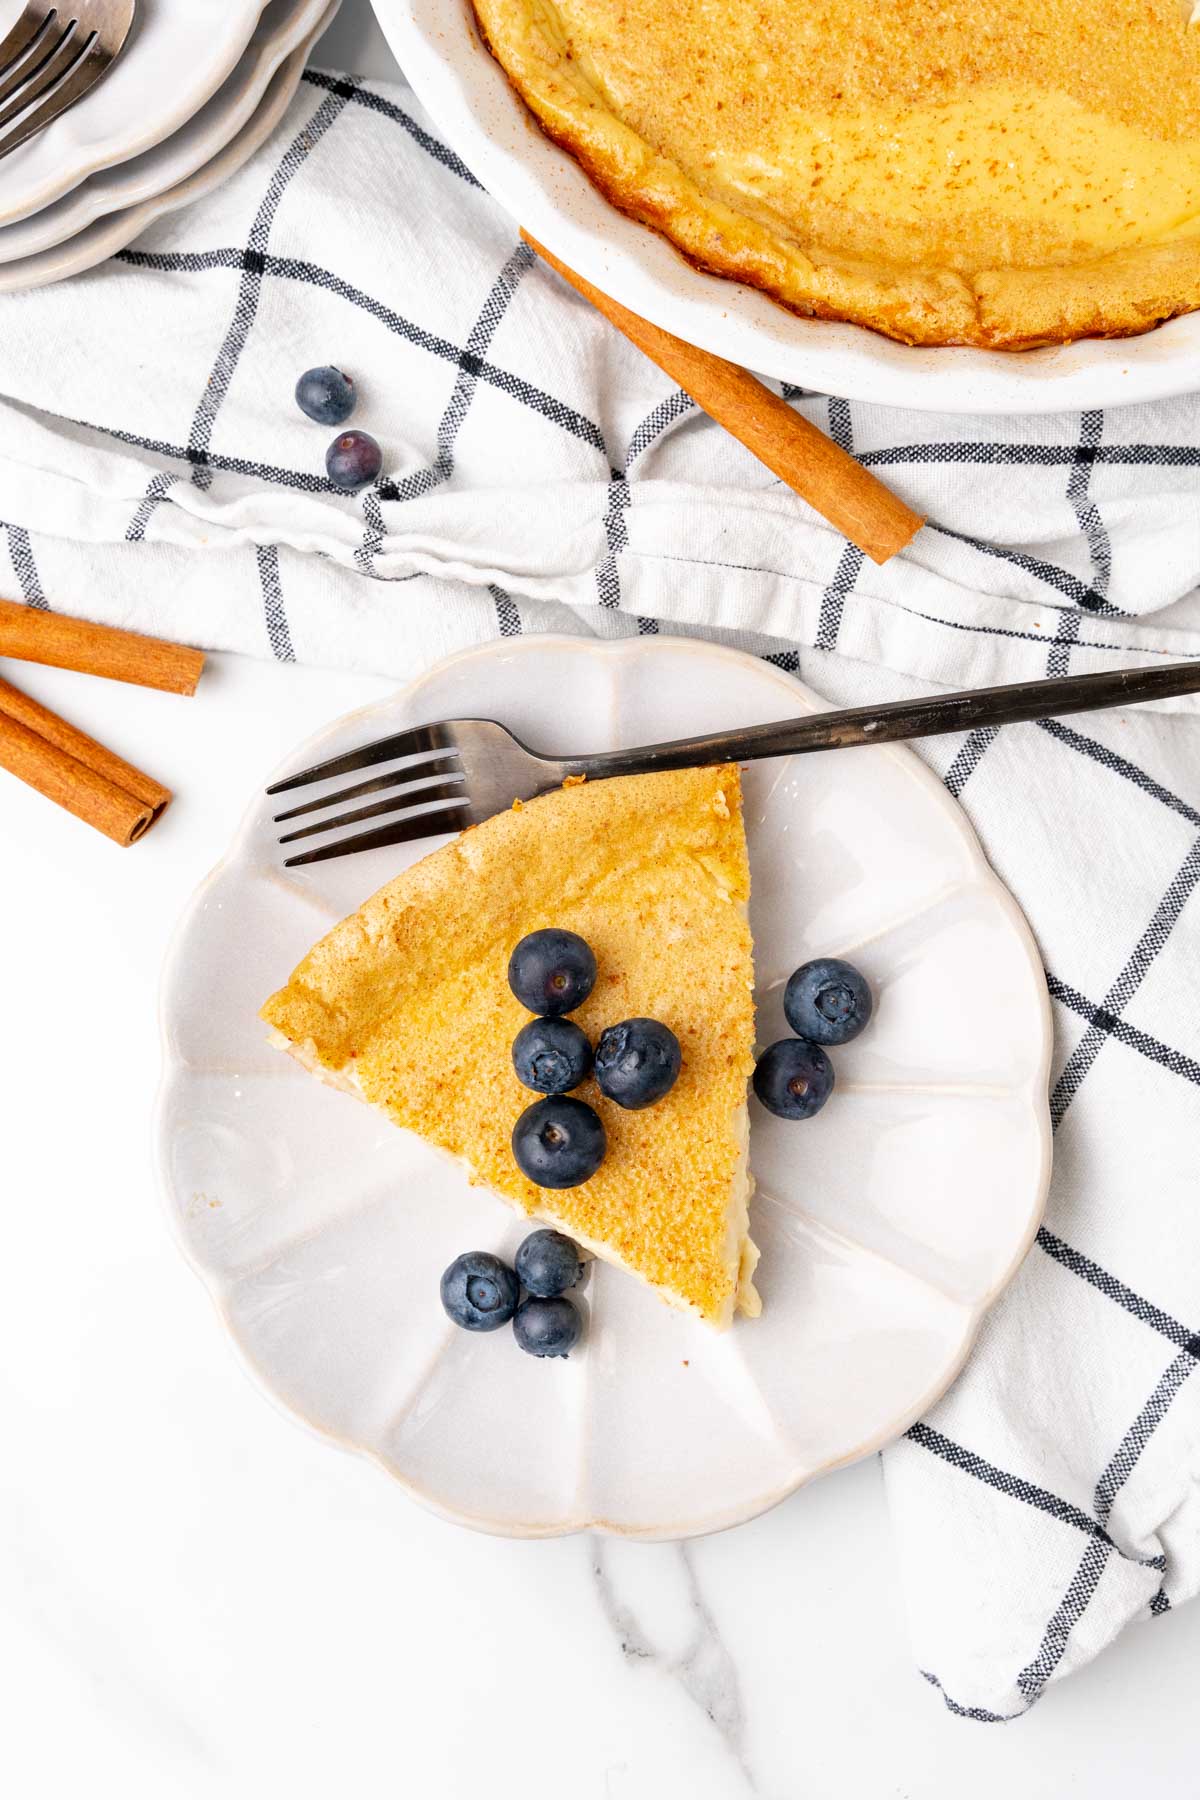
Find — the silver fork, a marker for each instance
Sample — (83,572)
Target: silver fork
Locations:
(459,772)
(52,57)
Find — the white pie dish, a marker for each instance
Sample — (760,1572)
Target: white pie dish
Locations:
(464,89)
(284,25)
(887,1224)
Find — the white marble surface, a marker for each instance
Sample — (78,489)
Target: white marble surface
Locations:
(199,1599)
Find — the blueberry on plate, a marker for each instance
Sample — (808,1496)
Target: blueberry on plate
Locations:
(552,971)
(793,1079)
(353,460)
(827,1001)
(559,1143)
(547,1327)
(547,1264)
(637,1062)
(551,1056)
(326,395)
(479,1292)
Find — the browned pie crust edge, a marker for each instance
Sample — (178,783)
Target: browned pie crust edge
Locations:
(1122,295)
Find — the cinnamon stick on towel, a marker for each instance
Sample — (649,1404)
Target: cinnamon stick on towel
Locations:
(66,643)
(75,771)
(812,465)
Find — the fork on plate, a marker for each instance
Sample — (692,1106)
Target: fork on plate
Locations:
(52,57)
(459,772)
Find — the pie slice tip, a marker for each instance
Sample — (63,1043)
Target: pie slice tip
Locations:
(406,1005)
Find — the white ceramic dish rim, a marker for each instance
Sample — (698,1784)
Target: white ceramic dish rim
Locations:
(97,242)
(743,1511)
(182,152)
(468,96)
(78,143)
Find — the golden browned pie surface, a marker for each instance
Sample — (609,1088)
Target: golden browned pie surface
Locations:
(994,172)
(407,1003)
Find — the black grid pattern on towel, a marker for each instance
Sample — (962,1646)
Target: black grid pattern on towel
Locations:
(274,616)
(20,555)
(508,614)
(1103,1024)
(1074,596)
(1077,598)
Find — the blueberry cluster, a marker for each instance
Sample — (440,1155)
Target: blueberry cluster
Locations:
(559,1142)
(826,1003)
(481,1293)
(329,397)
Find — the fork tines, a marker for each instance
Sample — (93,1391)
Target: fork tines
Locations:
(429,799)
(405,803)
(40,51)
(439,764)
(29,30)
(52,57)
(420,741)
(403,831)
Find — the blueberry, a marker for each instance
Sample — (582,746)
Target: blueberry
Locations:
(793,1079)
(827,1001)
(551,1055)
(353,460)
(479,1292)
(637,1062)
(558,1143)
(326,395)
(552,971)
(547,1327)
(547,1264)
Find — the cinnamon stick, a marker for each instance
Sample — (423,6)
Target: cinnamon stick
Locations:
(66,643)
(83,748)
(813,466)
(75,771)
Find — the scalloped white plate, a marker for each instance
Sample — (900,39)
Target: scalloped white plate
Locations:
(105,236)
(284,24)
(175,58)
(887,1224)
(463,87)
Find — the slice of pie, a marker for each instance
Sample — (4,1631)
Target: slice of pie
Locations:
(406,1004)
(994,172)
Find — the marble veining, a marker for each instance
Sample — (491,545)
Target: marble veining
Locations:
(690,1650)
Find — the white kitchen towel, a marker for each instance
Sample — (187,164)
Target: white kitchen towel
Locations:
(540,475)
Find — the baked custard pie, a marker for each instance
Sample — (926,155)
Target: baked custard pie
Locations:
(406,1004)
(1004,173)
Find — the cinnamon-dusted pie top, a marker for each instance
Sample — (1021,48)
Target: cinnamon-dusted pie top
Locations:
(992,172)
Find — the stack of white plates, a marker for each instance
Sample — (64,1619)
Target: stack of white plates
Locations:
(198,87)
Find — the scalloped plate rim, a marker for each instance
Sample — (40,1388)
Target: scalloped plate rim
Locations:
(174,1069)
(102,147)
(94,244)
(88,202)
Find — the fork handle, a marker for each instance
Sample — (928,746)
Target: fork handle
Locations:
(1010,704)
